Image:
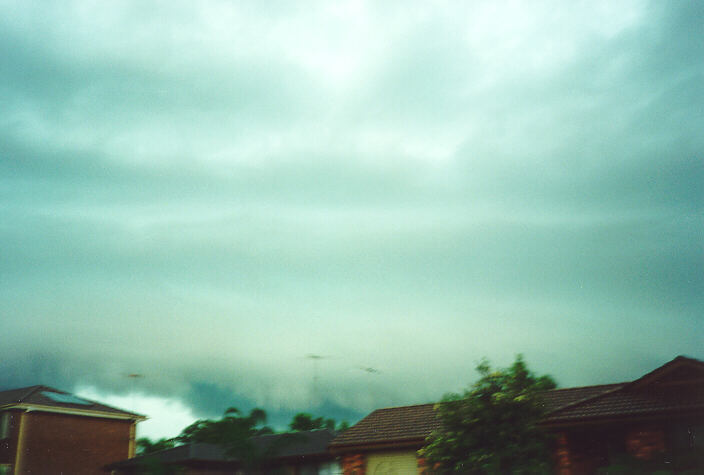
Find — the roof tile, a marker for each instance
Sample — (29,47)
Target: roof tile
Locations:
(391,424)
(37,395)
(410,423)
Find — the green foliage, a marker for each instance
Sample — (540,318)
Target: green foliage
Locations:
(233,432)
(147,446)
(493,427)
(342,426)
(304,421)
(151,465)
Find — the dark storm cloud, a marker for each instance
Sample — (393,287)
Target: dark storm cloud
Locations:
(207,193)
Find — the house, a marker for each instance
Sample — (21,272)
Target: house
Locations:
(48,431)
(297,453)
(387,437)
(659,416)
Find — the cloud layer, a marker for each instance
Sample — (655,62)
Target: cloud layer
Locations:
(207,193)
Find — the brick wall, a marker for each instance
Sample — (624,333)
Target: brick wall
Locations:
(423,468)
(644,443)
(354,464)
(65,444)
(562,455)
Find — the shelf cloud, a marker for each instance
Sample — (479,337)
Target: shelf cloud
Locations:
(205,193)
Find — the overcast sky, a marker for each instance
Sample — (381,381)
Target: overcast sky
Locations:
(205,193)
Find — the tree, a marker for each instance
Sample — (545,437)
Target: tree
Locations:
(493,427)
(304,421)
(342,426)
(233,432)
(147,446)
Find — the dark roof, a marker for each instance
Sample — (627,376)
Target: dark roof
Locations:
(393,424)
(627,403)
(554,399)
(415,423)
(177,455)
(675,388)
(295,445)
(46,396)
(678,368)
(397,425)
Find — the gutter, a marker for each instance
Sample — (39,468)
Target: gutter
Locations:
(632,418)
(75,412)
(381,445)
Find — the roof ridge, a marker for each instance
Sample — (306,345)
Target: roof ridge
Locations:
(54,390)
(403,407)
(587,387)
(32,390)
(667,367)
(686,358)
(587,399)
(8,390)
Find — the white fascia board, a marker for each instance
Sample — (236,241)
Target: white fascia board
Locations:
(73,412)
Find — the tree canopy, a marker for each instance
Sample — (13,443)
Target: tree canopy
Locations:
(233,432)
(492,428)
(305,421)
(147,446)
(236,433)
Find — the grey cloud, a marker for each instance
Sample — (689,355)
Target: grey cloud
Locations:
(209,212)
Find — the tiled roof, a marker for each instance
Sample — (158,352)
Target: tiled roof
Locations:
(50,397)
(295,444)
(626,403)
(557,398)
(405,423)
(676,387)
(675,368)
(417,422)
(177,455)
(568,405)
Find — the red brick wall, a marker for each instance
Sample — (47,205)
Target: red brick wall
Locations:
(576,453)
(64,444)
(354,464)
(423,468)
(644,443)
(562,455)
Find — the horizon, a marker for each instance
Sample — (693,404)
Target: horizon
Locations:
(173,416)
